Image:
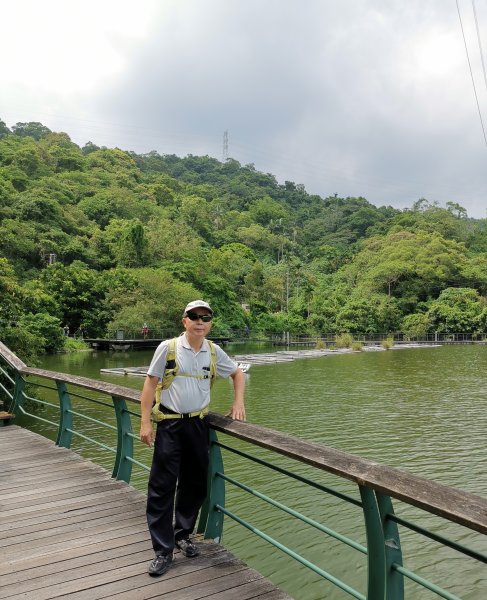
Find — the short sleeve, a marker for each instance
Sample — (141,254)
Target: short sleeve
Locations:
(158,363)
(225,366)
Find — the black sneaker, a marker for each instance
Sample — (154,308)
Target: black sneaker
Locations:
(187,547)
(160,564)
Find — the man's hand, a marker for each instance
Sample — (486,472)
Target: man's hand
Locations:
(237,412)
(238,407)
(147,434)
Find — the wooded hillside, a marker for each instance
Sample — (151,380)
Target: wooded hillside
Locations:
(101,238)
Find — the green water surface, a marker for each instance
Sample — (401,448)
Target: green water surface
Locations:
(422,410)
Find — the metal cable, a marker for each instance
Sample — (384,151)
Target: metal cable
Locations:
(471,73)
(480,42)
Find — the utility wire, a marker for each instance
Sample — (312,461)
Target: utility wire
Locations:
(471,73)
(480,42)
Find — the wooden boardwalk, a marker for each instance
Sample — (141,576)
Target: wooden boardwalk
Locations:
(67,530)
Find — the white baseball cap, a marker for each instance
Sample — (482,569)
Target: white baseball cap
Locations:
(197,304)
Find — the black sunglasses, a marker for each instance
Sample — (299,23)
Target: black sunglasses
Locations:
(192,316)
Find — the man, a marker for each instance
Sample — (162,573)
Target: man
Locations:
(180,462)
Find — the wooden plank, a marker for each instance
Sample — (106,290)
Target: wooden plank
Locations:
(61,473)
(114,572)
(71,532)
(16,554)
(76,492)
(66,485)
(57,556)
(69,566)
(76,564)
(232,586)
(38,522)
(182,574)
(242,591)
(70,505)
(62,465)
(81,535)
(29,452)
(83,382)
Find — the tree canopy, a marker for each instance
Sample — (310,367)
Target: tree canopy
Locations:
(100,238)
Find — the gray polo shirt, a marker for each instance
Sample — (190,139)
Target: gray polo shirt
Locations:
(189,394)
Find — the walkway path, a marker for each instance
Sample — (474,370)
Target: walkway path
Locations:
(67,530)
(281,356)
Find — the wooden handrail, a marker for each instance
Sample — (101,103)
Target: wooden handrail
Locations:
(11,358)
(456,505)
(84,382)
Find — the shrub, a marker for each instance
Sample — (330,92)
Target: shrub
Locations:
(345,340)
(45,328)
(388,343)
(74,344)
(320,345)
(357,346)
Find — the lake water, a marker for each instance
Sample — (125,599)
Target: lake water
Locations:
(422,410)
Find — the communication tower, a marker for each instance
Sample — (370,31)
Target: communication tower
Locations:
(225,145)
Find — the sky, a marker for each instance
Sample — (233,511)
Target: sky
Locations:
(370,98)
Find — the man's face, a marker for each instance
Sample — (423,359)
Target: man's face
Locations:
(194,324)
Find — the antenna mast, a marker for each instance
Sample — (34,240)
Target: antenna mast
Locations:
(225,145)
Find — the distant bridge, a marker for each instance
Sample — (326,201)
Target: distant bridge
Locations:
(129,339)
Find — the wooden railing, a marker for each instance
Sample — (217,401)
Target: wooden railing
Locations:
(377,484)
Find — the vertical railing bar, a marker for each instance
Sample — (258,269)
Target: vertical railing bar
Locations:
(392,548)
(122,468)
(64,436)
(211,519)
(18,398)
(376,585)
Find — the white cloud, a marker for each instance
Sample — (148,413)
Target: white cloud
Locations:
(359,97)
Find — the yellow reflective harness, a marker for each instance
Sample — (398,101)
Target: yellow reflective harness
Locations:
(171,371)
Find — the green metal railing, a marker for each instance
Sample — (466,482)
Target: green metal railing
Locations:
(22,387)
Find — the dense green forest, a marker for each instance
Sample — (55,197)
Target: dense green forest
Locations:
(99,239)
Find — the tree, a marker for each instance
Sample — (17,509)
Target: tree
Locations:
(46,329)
(65,155)
(415,326)
(158,299)
(4,130)
(89,147)
(133,245)
(266,211)
(457,310)
(80,293)
(32,129)
(233,262)
(10,293)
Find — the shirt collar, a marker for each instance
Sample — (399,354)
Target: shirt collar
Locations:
(186,344)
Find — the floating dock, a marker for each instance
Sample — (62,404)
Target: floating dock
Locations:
(245,361)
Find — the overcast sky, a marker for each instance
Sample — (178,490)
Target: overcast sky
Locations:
(368,98)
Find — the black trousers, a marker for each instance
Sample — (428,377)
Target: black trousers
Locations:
(177,481)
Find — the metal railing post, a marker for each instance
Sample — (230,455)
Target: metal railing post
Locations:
(18,397)
(376,584)
(122,469)
(64,435)
(211,518)
(392,547)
